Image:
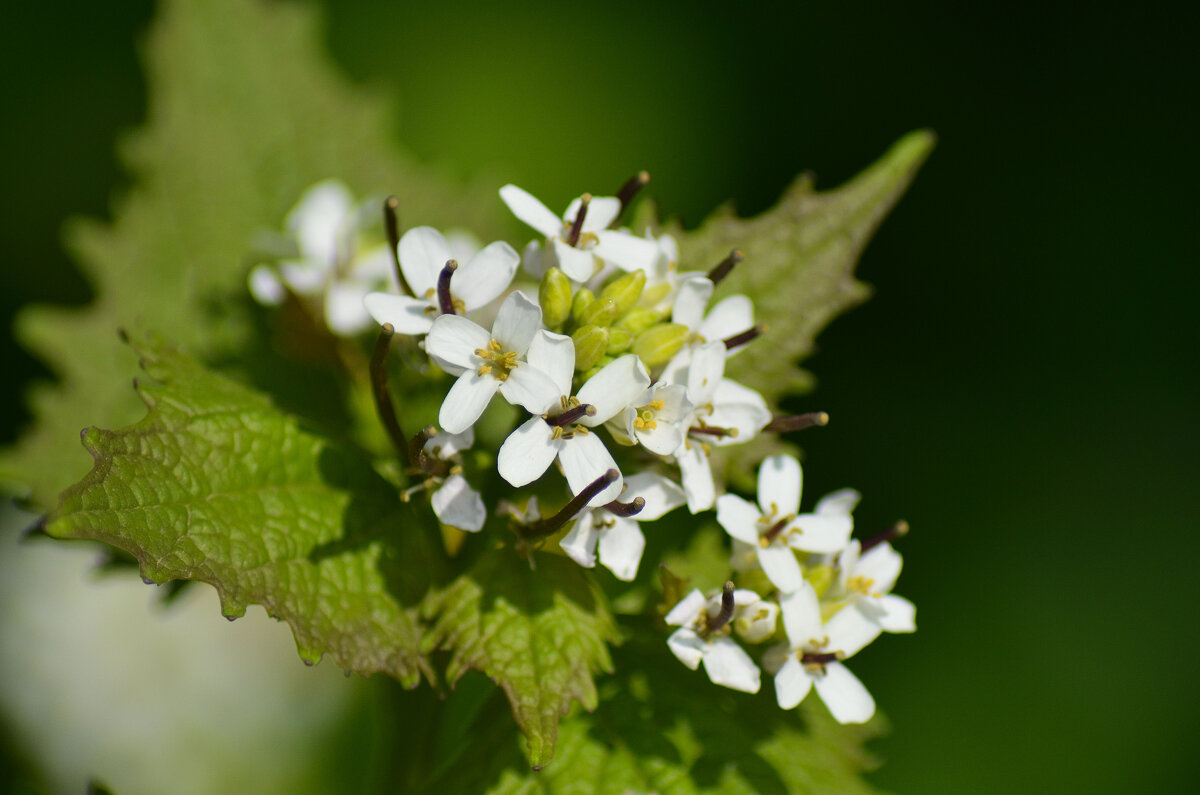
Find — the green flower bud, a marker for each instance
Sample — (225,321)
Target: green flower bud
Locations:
(656,345)
(821,577)
(619,341)
(583,297)
(604,360)
(638,320)
(590,343)
(655,294)
(625,291)
(554,295)
(601,312)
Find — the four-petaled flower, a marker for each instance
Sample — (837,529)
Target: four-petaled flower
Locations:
(775,528)
(489,362)
(725,321)
(455,503)
(424,253)
(725,662)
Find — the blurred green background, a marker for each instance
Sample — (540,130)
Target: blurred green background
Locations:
(1022,387)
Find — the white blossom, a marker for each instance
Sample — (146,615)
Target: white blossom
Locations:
(619,538)
(730,317)
(775,528)
(725,662)
(597,244)
(864,585)
(655,419)
(423,253)
(489,362)
(533,447)
(455,503)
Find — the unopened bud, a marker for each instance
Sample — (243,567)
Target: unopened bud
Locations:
(554,295)
(579,304)
(601,312)
(619,341)
(638,320)
(625,291)
(590,344)
(656,345)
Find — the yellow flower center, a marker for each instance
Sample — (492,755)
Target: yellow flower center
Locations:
(497,362)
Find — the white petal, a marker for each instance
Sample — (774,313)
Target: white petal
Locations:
(687,646)
(485,276)
(882,564)
(454,339)
(847,562)
(621,546)
(779,482)
(739,518)
(686,610)
(697,476)
(757,621)
(792,683)
(728,665)
(847,699)
(466,400)
(780,565)
(459,505)
(839,503)
(265,286)
(580,543)
(661,495)
(602,211)
(318,221)
(676,406)
(344,310)
(407,315)
(729,391)
(443,445)
(624,250)
(899,614)
(554,355)
(849,631)
(303,277)
(690,302)
(705,372)
(516,323)
(585,458)
(577,264)
(747,419)
(531,211)
(530,388)
(535,260)
(423,254)
(801,616)
(618,384)
(664,438)
(823,534)
(731,316)
(527,452)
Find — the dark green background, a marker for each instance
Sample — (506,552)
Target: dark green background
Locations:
(1021,389)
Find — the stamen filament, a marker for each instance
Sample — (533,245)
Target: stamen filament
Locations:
(632,508)
(445,300)
(391,223)
(722,269)
(897,530)
(714,623)
(738,340)
(577,226)
(797,422)
(572,415)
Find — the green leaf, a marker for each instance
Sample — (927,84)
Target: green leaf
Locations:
(799,260)
(216,484)
(662,728)
(245,110)
(540,634)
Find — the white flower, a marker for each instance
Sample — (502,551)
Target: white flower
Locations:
(864,584)
(455,503)
(813,655)
(486,363)
(344,311)
(423,254)
(754,621)
(774,526)
(655,420)
(618,537)
(730,317)
(724,412)
(565,430)
(663,277)
(595,244)
(725,662)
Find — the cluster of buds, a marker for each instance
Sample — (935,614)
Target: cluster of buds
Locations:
(613,352)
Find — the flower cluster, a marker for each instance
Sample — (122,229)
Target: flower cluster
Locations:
(615,359)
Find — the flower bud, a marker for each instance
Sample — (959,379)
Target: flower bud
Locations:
(653,296)
(590,343)
(597,367)
(583,297)
(638,320)
(656,345)
(619,341)
(625,291)
(601,312)
(756,623)
(554,295)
